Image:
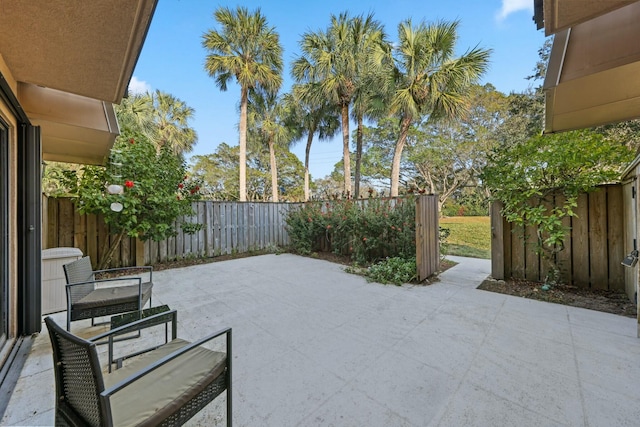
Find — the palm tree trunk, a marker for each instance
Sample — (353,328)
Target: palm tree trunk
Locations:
(345,150)
(405,123)
(274,171)
(306,165)
(243,145)
(356,190)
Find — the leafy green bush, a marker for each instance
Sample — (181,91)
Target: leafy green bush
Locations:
(155,192)
(366,231)
(394,270)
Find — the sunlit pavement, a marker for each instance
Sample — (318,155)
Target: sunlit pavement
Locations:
(315,346)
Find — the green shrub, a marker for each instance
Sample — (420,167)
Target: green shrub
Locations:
(366,231)
(394,270)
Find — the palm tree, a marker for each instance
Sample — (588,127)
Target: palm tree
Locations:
(430,81)
(334,60)
(161,117)
(171,116)
(374,61)
(249,50)
(136,112)
(311,116)
(266,125)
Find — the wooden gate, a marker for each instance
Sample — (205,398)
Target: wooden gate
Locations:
(427,236)
(593,249)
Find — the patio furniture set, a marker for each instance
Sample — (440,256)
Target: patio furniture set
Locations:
(164,384)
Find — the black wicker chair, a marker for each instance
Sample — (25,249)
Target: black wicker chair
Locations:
(166,386)
(88,297)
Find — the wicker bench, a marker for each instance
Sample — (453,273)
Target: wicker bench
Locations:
(89,297)
(168,385)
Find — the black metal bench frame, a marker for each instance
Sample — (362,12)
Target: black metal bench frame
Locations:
(81,396)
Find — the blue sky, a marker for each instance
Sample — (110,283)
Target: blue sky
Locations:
(172,58)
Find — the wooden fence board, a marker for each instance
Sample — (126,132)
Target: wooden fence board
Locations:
(171,245)
(497,242)
(65,233)
(517,251)
(427,236)
(563,258)
(92,236)
(531,256)
(227,229)
(217,235)
(546,258)
(598,262)
(507,236)
(125,252)
(580,243)
(593,249)
(80,231)
(52,224)
(615,237)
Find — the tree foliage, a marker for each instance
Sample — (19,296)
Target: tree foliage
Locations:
(310,116)
(155,191)
(338,62)
(161,117)
(430,82)
(248,49)
(219,171)
(526,176)
(267,117)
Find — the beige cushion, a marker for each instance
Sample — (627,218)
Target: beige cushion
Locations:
(113,296)
(166,389)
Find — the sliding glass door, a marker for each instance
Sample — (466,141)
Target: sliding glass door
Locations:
(4,232)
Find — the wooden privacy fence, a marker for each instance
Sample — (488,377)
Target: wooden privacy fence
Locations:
(427,236)
(227,227)
(594,247)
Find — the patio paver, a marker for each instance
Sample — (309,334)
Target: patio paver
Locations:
(315,346)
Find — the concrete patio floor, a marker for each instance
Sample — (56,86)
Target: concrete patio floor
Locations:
(315,346)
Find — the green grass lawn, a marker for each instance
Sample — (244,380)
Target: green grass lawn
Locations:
(470,236)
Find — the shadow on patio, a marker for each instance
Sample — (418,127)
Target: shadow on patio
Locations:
(315,346)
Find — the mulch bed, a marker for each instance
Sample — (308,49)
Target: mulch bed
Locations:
(593,299)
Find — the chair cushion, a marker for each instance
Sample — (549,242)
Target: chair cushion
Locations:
(115,295)
(165,390)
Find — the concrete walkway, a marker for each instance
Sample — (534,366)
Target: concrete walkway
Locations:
(315,346)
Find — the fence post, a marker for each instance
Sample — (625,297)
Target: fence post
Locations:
(497,241)
(427,236)
(140,255)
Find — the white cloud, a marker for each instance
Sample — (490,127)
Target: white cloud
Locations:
(511,6)
(138,86)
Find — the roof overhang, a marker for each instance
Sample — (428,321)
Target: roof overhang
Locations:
(593,76)
(74,128)
(79,56)
(559,15)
